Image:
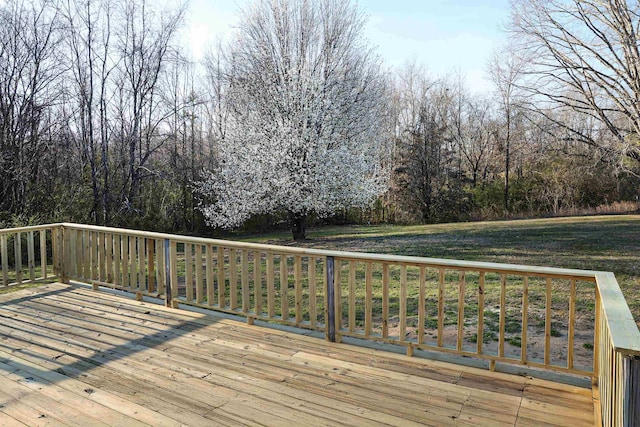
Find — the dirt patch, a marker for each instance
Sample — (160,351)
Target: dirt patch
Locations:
(558,349)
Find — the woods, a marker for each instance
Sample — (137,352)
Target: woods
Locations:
(296,120)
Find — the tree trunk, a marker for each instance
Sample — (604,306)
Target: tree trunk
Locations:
(298,226)
(507,162)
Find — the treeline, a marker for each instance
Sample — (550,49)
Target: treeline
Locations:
(459,156)
(105,119)
(85,97)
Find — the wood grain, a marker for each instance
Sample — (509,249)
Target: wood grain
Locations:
(110,360)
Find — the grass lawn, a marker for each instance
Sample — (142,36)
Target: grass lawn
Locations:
(609,243)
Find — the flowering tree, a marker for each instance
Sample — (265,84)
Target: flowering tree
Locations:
(305,96)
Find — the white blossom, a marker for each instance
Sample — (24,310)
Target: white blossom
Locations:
(306,98)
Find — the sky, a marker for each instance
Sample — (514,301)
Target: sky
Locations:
(445,36)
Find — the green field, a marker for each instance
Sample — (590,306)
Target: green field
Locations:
(609,243)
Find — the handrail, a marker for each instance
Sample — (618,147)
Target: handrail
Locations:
(625,336)
(30,228)
(390,298)
(399,259)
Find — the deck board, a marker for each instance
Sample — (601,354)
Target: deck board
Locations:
(73,356)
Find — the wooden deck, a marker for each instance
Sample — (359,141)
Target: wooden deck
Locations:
(73,356)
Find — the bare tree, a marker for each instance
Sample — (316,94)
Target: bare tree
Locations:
(505,69)
(475,134)
(216,88)
(422,173)
(29,67)
(144,39)
(585,55)
(92,60)
(185,150)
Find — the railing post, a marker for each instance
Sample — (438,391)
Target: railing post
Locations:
(168,293)
(631,390)
(65,255)
(4,259)
(331,308)
(17,257)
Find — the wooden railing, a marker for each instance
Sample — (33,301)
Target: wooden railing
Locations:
(30,254)
(256,281)
(617,355)
(571,321)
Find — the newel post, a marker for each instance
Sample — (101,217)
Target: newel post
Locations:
(331,306)
(168,292)
(64,254)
